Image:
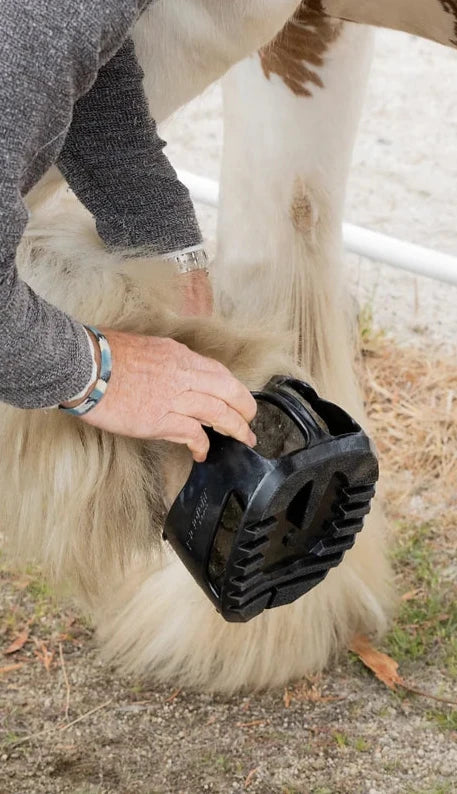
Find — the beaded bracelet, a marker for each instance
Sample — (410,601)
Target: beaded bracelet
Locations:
(94,397)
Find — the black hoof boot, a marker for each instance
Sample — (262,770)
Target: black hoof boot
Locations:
(258,528)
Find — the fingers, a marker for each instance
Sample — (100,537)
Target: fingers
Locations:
(209,376)
(161,389)
(185,430)
(216,413)
(224,386)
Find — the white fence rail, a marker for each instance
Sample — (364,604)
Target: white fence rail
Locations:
(375,246)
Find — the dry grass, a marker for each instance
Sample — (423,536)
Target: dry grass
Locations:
(412,404)
(411,398)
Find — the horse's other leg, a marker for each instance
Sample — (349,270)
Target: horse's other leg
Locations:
(291,115)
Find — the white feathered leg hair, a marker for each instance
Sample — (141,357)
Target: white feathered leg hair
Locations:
(90,507)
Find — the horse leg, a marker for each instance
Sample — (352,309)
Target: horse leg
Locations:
(156,620)
(291,114)
(284,173)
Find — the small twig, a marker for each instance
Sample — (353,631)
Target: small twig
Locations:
(173,696)
(250,777)
(141,702)
(61,728)
(415,691)
(67,683)
(83,716)
(252,724)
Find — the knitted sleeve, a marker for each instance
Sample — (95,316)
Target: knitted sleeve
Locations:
(52,53)
(113,160)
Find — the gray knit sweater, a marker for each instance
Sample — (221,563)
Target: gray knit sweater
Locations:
(71,93)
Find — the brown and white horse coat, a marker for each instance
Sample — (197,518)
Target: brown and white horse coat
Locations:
(90,506)
(432,19)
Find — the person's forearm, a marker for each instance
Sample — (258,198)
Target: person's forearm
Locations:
(45,357)
(113,160)
(50,54)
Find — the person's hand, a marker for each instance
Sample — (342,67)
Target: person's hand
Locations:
(159,389)
(196,294)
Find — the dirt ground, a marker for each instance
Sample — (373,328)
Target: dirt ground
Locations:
(68,724)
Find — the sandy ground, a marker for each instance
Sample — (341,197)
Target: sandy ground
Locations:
(343,734)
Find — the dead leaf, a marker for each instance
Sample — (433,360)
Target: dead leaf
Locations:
(410,595)
(18,643)
(44,655)
(386,668)
(313,694)
(10,667)
(310,691)
(383,666)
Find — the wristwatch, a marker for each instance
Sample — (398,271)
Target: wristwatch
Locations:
(189,261)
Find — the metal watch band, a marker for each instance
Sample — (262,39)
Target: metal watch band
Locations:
(190,260)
